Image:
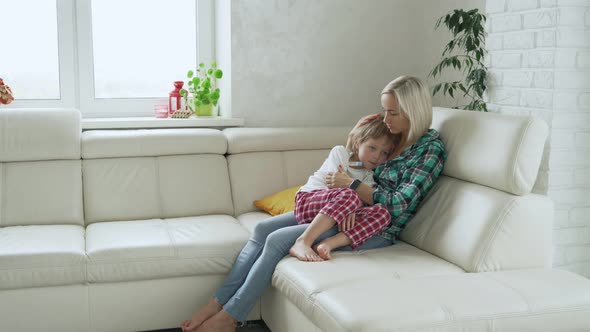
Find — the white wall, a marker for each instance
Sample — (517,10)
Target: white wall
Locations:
(540,63)
(324,62)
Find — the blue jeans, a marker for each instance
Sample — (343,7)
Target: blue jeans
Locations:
(252,271)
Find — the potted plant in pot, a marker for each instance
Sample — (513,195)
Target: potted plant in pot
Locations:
(202,94)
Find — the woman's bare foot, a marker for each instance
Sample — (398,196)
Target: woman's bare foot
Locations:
(210,309)
(323,249)
(220,322)
(304,252)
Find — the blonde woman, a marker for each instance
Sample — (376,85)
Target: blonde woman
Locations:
(402,183)
(405,179)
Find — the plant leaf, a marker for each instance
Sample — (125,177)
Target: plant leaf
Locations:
(436,89)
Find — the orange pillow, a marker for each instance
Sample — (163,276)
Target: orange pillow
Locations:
(278,203)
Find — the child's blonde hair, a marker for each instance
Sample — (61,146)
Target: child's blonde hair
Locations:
(374,129)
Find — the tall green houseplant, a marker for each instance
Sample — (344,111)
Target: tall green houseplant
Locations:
(466,53)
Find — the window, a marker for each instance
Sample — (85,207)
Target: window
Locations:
(33,73)
(141,59)
(105,57)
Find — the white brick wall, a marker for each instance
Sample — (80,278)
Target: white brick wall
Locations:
(584,59)
(565,58)
(582,176)
(565,101)
(540,19)
(519,40)
(571,37)
(518,78)
(519,5)
(545,38)
(543,79)
(506,60)
(540,65)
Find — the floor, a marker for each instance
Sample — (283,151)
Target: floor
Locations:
(251,326)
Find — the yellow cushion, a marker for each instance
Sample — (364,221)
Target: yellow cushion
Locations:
(279,203)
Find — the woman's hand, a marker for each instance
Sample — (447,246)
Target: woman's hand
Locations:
(339,179)
(348,223)
(366,119)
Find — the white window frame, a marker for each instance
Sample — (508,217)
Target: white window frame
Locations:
(74,24)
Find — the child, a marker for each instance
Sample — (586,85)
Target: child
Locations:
(371,145)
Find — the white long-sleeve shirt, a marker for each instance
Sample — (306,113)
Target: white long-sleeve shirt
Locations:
(338,156)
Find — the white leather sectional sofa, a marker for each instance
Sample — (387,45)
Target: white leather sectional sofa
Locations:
(131,230)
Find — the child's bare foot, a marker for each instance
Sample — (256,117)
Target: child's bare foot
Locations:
(324,250)
(304,252)
(210,309)
(220,322)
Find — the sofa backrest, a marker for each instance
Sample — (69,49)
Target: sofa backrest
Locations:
(41,178)
(263,161)
(483,229)
(496,150)
(154,173)
(480,215)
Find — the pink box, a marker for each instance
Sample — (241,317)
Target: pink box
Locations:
(161,111)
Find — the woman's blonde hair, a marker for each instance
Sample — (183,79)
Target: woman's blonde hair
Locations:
(414,101)
(374,129)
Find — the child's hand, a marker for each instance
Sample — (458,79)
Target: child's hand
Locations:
(339,179)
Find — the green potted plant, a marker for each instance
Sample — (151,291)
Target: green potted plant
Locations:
(466,52)
(202,94)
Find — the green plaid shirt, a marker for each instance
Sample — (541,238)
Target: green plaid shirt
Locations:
(403,182)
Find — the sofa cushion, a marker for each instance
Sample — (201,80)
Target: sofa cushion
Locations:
(483,229)
(495,150)
(250,219)
(151,249)
(264,161)
(36,256)
(39,135)
(40,176)
(155,187)
(242,140)
(256,175)
(151,142)
(41,193)
(301,281)
(520,300)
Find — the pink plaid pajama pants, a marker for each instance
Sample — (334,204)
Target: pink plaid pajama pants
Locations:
(338,203)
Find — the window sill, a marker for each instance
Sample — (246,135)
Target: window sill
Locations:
(151,122)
